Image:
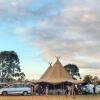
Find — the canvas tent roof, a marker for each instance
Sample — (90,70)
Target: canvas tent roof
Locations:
(56,75)
(46,72)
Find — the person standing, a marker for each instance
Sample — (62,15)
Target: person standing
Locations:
(73,90)
(32,89)
(66,91)
(94,90)
(69,90)
(46,91)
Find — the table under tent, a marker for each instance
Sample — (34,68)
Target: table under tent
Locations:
(56,79)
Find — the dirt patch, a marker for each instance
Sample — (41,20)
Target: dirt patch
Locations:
(49,98)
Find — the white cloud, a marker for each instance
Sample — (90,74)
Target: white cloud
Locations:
(14,9)
(73,33)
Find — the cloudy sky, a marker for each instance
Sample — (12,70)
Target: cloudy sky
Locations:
(39,30)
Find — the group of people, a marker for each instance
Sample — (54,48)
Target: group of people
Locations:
(70,90)
(44,90)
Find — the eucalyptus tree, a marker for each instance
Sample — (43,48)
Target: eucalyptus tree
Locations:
(9,65)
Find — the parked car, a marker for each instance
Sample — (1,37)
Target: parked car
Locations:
(85,90)
(98,89)
(90,88)
(16,89)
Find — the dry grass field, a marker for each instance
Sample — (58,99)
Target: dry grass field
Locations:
(49,98)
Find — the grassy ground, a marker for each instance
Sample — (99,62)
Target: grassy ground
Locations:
(49,98)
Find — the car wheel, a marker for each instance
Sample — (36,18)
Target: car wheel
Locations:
(4,93)
(25,93)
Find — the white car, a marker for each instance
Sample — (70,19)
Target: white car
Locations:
(16,89)
(90,88)
(98,89)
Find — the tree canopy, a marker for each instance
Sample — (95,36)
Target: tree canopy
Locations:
(88,78)
(9,65)
(73,70)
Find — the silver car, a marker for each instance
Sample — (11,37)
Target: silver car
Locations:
(16,89)
(98,89)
